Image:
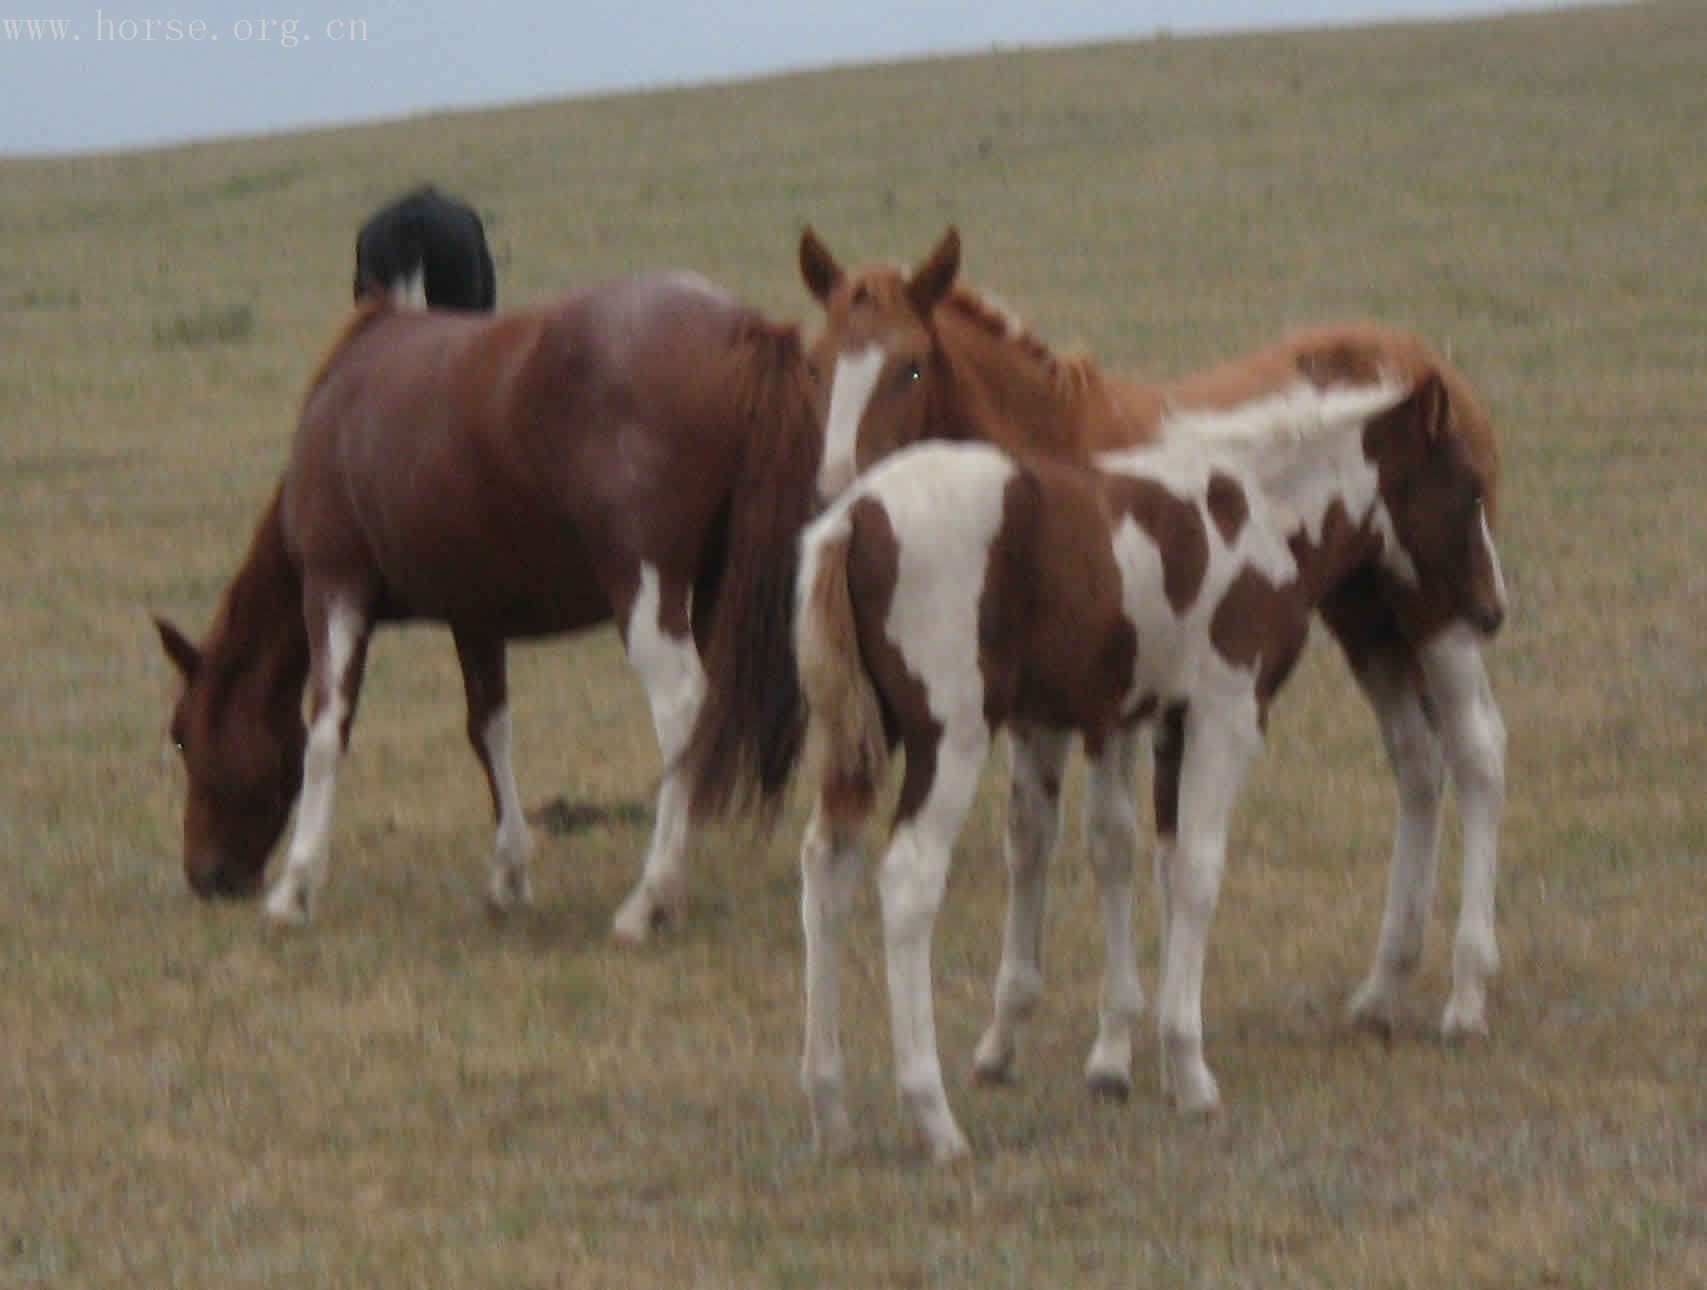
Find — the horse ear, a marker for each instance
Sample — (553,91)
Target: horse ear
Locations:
(1432,404)
(930,282)
(818,268)
(184,655)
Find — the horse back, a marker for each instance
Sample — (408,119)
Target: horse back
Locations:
(514,471)
(1348,353)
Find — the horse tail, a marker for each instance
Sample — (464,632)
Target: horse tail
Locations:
(747,737)
(845,731)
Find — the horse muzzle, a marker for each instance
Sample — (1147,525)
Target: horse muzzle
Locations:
(213,877)
(1487,620)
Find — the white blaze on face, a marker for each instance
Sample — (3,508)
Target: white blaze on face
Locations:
(1493,555)
(850,392)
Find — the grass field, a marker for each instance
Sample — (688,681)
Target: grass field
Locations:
(408,1094)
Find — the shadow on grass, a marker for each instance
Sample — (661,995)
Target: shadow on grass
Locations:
(561,817)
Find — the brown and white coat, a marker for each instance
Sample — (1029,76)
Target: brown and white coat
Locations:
(908,355)
(953,591)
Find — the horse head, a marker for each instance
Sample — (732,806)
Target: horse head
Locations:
(242,748)
(1436,495)
(879,352)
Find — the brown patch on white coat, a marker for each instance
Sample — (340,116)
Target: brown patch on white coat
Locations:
(953,592)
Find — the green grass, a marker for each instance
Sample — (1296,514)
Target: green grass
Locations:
(409,1094)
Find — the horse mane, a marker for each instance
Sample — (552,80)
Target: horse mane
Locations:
(1070,373)
(1023,394)
(371,306)
(747,738)
(258,623)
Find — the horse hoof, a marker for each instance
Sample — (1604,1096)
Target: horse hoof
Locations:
(993,1065)
(636,920)
(1109,1086)
(1372,1008)
(1194,1093)
(508,893)
(645,912)
(951,1151)
(289,905)
(1370,1021)
(1464,1022)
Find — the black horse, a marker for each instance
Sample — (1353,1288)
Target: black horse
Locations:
(427,249)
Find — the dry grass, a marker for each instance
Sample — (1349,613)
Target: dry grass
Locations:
(410,1095)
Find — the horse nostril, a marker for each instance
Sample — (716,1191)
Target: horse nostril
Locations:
(1489,621)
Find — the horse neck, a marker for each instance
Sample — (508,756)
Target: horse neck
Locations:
(258,636)
(1007,388)
(1136,409)
(1321,496)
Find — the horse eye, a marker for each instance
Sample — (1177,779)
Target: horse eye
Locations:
(912,372)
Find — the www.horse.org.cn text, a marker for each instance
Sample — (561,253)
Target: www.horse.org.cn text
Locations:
(113,29)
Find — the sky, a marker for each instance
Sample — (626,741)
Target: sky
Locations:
(77,77)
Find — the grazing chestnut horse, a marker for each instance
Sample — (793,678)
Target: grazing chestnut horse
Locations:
(642,452)
(953,591)
(914,355)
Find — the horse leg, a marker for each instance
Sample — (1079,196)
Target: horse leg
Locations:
(484,686)
(910,886)
(1473,735)
(1111,841)
(1039,758)
(337,644)
(1391,681)
(829,867)
(659,640)
(1168,750)
(1219,744)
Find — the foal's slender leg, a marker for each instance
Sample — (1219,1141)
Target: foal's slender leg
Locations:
(829,867)
(1219,744)
(483,683)
(910,885)
(659,638)
(1039,759)
(1473,734)
(1390,681)
(337,644)
(1111,841)
(1389,673)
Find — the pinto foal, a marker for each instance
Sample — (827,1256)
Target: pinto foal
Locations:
(953,591)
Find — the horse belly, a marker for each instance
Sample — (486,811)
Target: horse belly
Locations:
(492,575)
